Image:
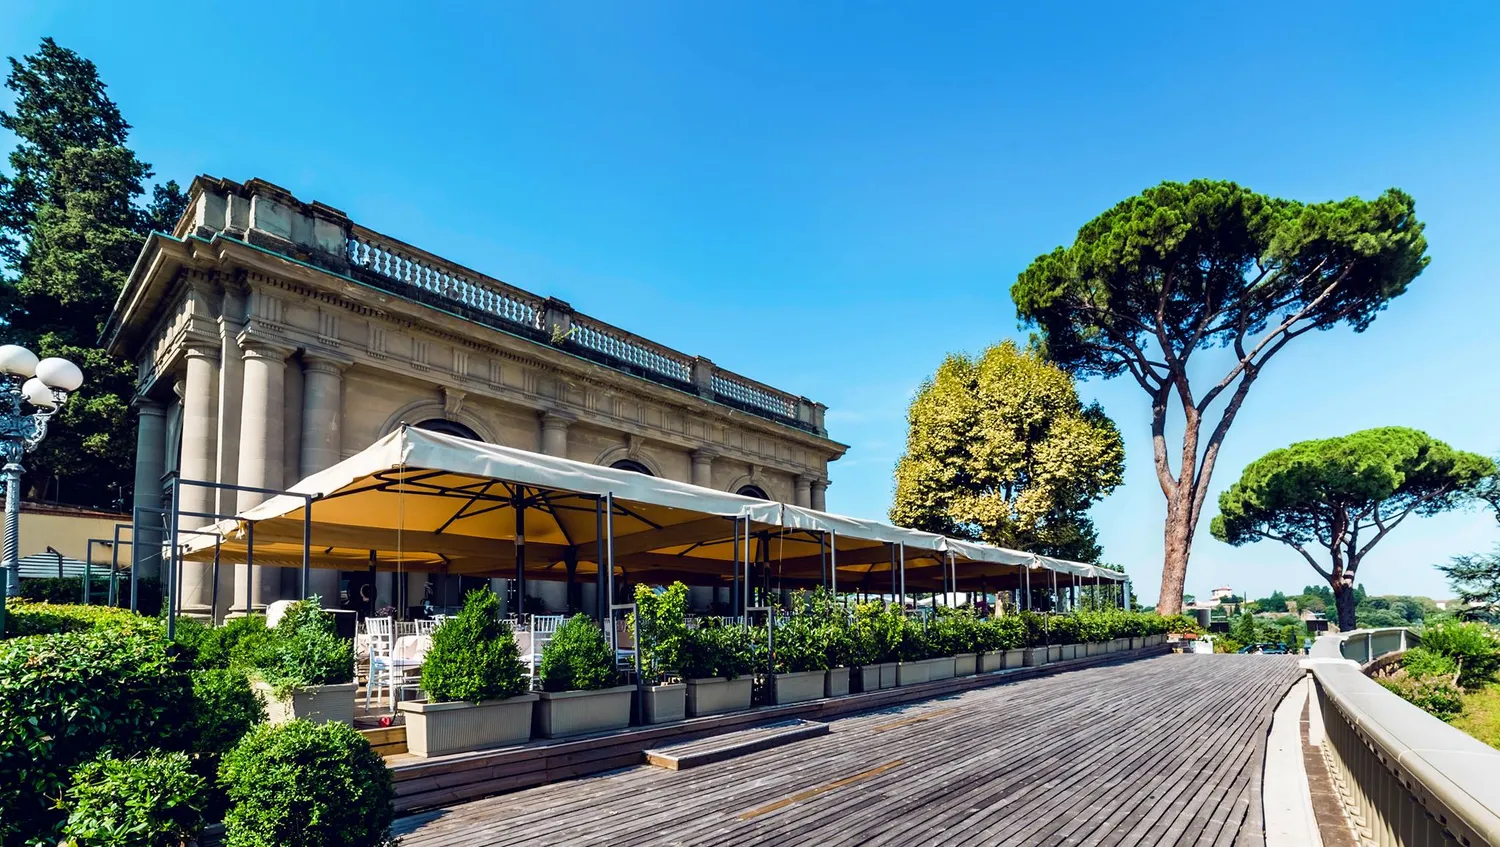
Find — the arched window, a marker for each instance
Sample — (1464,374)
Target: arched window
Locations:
(449,428)
(752,491)
(632,465)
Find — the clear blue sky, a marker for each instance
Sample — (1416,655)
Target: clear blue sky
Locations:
(830,196)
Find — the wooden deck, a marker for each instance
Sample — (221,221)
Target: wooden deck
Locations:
(1165,750)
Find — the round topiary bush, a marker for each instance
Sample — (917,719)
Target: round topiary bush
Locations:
(66,697)
(578,658)
(225,707)
(313,785)
(473,656)
(155,800)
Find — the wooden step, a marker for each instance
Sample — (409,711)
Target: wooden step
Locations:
(691,754)
(387,740)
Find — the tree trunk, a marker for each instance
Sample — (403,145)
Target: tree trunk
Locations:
(1343,600)
(1178,542)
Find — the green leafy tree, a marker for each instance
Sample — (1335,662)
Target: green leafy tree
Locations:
(1001,449)
(70,229)
(1204,266)
(1476,580)
(1345,495)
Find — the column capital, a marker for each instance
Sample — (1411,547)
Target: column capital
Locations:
(148,406)
(705,454)
(254,347)
(325,362)
(556,419)
(208,350)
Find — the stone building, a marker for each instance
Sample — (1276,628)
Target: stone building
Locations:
(275,337)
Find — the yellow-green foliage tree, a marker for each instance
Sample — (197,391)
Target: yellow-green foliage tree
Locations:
(1000,449)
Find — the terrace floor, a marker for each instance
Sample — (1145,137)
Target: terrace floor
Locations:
(1166,750)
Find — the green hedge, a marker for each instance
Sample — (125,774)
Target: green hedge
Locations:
(155,800)
(312,785)
(27,618)
(68,696)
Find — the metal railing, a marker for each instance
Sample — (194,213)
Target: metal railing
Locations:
(1406,777)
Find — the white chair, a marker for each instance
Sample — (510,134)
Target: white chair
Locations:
(380,634)
(543,627)
(425,626)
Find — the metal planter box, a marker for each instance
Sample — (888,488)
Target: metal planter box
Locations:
(664,703)
(436,729)
(836,683)
(799,687)
(559,714)
(717,695)
(317,703)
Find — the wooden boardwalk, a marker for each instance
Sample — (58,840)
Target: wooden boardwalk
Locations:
(1166,750)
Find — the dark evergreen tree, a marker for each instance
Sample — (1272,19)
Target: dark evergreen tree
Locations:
(71,226)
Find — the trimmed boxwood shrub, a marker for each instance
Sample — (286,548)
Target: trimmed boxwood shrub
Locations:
(313,785)
(715,649)
(70,696)
(26,618)
(155,800)
(68,589)
(473,656)
(578,658)
(225,707)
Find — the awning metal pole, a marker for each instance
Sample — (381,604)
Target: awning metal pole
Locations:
(250,569)
(609,554)
(903,576)
(745,595)
(213,610)
(174,588)
(307,551)
(833,561)
(600,610)
(520,509)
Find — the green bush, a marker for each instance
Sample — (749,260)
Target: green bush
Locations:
(875,634)
(69,696)
(1474,646)
(302,650)
(798,646)
(473,656)
(219,647)
(1063,629)
(718,650)
(225,707)
(25,618)
(1424,661)
(65,590)
(662,620)
(916,643)
(953,631)
(1436,695)
(312,785)
(154,800)
(578,658)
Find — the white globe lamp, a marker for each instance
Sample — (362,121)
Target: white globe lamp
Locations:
(59,373)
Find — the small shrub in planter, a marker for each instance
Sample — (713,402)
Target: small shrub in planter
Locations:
(476,685)
(578,676)
(662,622)
(473,656)
(716,658)
(300,652)
(578,658)
(70,695)
(155,800)
(314,785)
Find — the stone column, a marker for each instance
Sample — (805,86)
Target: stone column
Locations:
(200,412)
(321,442)
(261,445)
(227,440)
(150,464)
(820,494)
(803,491)
(703,467)
(555,433)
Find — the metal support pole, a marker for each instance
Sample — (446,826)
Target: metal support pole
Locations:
(306,553)
(1026,592)
(833,561)
(172,600)
(745,594)
(250,567)
(114,569)
(609,556)
(902,561)
(213,602)
(891,549)
(602,611)
(520,508)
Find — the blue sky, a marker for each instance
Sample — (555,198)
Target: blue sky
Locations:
(830,196)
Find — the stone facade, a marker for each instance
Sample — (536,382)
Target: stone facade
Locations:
(275,337)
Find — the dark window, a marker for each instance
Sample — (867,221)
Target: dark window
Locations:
(449,428)
(752,491)
(632,465)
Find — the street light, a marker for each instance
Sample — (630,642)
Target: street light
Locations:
(31,392)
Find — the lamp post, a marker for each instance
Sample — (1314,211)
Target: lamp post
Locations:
(31,392)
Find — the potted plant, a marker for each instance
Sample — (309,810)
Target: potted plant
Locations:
(915,653)
(989,635)
(1065,633)
(662,623)
(580,691)
(799,662)
(839,651)
(960,635)
(475,683)
(1035,650)
(301,668)
(714,665)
